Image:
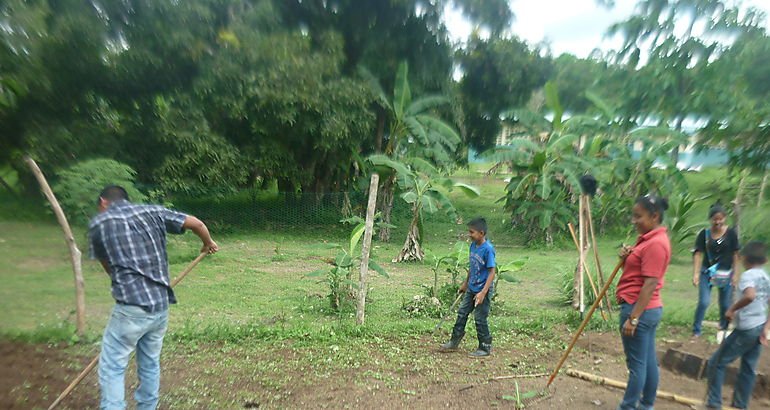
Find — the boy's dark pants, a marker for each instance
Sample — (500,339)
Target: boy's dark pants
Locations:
(480,314)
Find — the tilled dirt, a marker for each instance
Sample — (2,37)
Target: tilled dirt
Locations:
(32,375)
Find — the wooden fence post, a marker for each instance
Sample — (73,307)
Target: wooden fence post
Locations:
(370,208)
(75,253)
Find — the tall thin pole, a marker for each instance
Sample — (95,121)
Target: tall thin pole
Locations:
(581,257)
(369,227)
(75,254)
(596,253)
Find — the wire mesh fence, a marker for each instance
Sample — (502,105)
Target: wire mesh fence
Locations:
(250,209)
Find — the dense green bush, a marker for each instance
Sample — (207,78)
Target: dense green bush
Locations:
(78,186)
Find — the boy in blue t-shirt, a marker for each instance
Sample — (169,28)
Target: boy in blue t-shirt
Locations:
(478,289)
(750,334)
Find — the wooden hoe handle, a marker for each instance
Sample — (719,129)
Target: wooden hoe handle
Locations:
(585,321)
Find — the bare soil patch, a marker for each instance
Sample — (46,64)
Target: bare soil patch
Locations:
(32,376)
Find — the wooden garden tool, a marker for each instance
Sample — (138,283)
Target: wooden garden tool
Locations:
(451,309)
(585,321)
(95,360)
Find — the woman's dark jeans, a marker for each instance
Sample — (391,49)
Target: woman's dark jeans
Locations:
(704,298)
(641,359)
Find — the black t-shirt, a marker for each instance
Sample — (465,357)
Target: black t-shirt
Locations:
(721,250)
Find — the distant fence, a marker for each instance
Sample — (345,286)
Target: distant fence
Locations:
(259,209)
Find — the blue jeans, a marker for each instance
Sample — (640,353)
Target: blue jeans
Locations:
(741,343)
(480,315)
(704,298)
(129,328)
(641,359)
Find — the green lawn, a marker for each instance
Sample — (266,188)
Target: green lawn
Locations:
(256,280)
(249,327)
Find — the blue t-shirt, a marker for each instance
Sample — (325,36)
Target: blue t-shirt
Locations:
(481,259)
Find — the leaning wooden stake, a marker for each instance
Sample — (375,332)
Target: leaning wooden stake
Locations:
(369,227)
(615,383)
(607,303)
(585,268)
(80,295)
(95,360)
(585,321)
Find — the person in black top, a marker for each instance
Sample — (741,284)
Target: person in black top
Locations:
(715,263)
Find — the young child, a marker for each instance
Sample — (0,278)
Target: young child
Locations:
(477,288)
(750,334)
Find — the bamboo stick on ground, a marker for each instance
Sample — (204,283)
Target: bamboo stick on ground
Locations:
(95,360)
(521,376)
(615,383)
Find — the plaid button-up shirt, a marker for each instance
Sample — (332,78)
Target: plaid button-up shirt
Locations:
(132,239)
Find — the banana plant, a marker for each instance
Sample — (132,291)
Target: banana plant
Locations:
(426,191)
(453,262)
(679,215)
(338,277)
(548,160)
(414,130)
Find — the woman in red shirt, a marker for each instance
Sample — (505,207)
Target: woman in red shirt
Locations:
(638,293)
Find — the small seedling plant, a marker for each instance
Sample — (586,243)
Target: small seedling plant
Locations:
(338,277)
(454,263)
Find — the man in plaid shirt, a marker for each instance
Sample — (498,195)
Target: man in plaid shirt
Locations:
(130,242)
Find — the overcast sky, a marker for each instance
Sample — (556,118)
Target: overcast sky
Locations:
(573,26)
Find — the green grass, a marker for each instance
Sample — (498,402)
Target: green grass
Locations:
(254,287)
(247,315)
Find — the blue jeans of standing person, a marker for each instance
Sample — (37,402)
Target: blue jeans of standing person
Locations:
(641,359)
(740,343)
(480,315)
(704,298)
(131,327)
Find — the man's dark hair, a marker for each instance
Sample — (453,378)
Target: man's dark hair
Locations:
(755,252)
(479,224)
(113,193)
(653,204)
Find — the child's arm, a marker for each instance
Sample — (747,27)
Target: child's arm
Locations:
(765,329)
(479,298)
(749,294)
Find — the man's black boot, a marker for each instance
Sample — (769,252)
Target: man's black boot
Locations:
(485,349)
(452,344)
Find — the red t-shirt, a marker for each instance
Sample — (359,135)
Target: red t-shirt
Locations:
(649,259)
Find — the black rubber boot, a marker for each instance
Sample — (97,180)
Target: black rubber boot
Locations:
(485,349)
(452,344)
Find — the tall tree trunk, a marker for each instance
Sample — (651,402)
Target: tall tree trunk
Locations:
(744,175)
(380,131)
(386,207)
(412,250)
(675,151)
(762,189)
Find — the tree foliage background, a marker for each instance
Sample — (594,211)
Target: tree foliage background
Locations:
(288,93)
